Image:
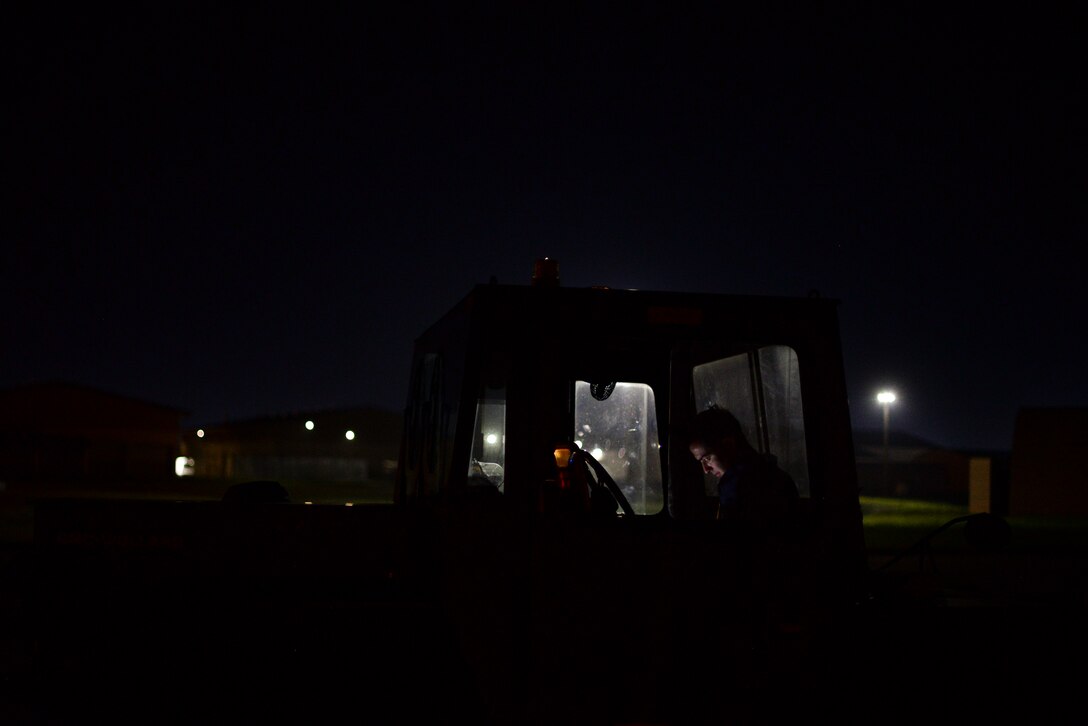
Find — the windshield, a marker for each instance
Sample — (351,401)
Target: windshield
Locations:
(619,429)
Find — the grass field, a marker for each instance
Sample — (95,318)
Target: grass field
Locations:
(892,524)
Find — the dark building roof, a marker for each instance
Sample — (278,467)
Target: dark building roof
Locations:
(63,408)
(872,439)
(875,437)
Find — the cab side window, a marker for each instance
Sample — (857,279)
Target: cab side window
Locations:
(762,388)
(487,461)
(423,424)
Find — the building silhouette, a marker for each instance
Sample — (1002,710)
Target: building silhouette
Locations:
(343,445)
(913,468)
(1048,471)
(66,433)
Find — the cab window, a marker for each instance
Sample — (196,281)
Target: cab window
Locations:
(617,424)
(488,458)
(762,388)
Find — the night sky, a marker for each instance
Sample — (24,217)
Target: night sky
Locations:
(241,212)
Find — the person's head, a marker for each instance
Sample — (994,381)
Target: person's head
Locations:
(716,440)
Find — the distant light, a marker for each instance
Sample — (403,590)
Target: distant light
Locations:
(885,397)
(349,504)
(491,439)
(307,502)
(309,425)
(578,443)
(183,466)
(200,433)
(597,453)
(349,435)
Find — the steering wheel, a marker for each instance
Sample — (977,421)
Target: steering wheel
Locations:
(604,483)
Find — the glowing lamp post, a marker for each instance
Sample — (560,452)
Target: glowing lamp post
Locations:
(886,399)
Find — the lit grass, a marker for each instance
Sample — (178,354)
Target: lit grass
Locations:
(890,512)
(892,524)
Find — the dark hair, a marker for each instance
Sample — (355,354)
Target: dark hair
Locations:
(713,425)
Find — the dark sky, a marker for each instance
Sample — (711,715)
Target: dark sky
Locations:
(242,212)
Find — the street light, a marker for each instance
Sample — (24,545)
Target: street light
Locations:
(886,399)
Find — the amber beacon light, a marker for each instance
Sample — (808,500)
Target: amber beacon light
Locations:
(546,273)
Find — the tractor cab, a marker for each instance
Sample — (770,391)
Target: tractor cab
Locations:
(517,383)
(542,424)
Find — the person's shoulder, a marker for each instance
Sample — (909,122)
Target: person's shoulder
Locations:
(763,465)
(778,476)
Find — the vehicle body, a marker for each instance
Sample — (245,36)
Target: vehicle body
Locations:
(481,590)
(631,605)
